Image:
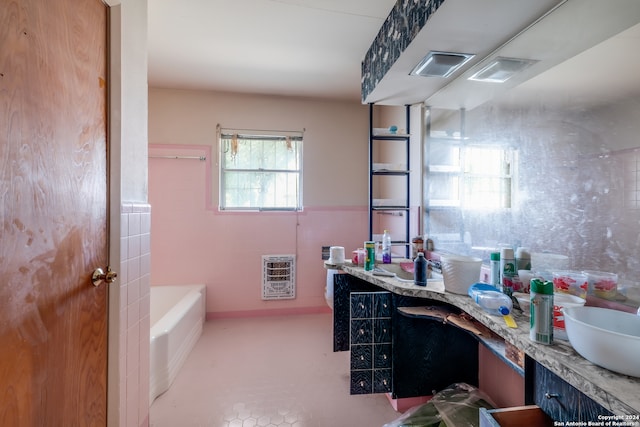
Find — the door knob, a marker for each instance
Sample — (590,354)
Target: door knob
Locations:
(100,276)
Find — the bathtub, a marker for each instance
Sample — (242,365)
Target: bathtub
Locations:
(176,317)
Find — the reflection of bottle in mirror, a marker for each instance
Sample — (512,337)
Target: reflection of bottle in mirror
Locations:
(420,270)
(523,259)
(386,247)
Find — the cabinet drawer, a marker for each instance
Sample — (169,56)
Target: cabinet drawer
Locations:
(382,356)
(361,356)
(530,416)
(382,304)
(361,382)
(381,380)
(362,331)
(561,400)
(381,331)
(362,305)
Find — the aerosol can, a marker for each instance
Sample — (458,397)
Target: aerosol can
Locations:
(541,311)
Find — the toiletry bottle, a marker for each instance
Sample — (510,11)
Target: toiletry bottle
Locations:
(495,269)
(523,259)
(386,247)
(420,270)
(507,270)
(370,257)
(541,309)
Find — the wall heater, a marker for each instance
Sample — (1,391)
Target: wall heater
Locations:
(278,277)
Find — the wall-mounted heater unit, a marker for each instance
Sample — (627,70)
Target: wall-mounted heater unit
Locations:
(278,277)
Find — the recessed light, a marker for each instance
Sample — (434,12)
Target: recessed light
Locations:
(440,64)
(501,69)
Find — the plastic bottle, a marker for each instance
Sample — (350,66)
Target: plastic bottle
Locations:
(370,257)
(386,247)
(541,309)
(523,259)
(420,270)
(495,269)
(507,270)
(494,302)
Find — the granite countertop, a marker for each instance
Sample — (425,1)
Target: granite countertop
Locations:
(620,394)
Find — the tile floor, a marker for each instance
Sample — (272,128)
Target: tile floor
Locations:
(268,371)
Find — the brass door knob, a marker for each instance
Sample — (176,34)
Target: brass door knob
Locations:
(100,276)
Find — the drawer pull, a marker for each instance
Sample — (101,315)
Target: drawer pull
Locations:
(551,395)
(361,305)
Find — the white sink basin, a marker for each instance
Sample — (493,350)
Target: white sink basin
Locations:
(605,337)
(402,274)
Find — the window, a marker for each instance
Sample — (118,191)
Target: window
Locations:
(470,176)
(260,170)
(487,178)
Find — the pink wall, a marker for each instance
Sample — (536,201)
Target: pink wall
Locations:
(195,243)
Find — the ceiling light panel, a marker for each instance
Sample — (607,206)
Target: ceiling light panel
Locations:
(501,69)
(440,64)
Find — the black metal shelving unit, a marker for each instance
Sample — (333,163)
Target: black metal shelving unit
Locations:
(403,209)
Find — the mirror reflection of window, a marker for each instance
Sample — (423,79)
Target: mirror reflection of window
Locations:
(487,182)
(471,177)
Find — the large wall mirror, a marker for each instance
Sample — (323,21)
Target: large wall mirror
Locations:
(552,164)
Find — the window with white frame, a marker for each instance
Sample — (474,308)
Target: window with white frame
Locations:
(470,176)
(487,180)
(260,170)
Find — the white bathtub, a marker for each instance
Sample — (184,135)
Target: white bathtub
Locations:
(177,316)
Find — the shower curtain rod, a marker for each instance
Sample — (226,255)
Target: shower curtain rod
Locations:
(201,158)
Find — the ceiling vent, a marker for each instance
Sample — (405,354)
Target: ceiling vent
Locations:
(440,64)
(501,69)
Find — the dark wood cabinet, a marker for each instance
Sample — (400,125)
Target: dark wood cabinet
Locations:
(557,398)
(370,328)
(406,356)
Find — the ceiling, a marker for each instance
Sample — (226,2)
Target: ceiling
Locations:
(314,48)
(309,48)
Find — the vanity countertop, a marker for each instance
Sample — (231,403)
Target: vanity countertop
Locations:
(620,394)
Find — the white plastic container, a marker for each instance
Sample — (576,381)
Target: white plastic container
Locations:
(570,282)
(560,303)
(459,272)
(602,284)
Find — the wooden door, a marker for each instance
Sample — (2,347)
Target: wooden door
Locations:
(53,212)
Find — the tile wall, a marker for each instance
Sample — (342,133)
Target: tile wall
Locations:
(135,242)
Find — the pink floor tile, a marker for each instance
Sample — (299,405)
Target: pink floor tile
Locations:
(268,371)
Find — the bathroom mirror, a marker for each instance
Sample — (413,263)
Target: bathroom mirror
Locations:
(564,176)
